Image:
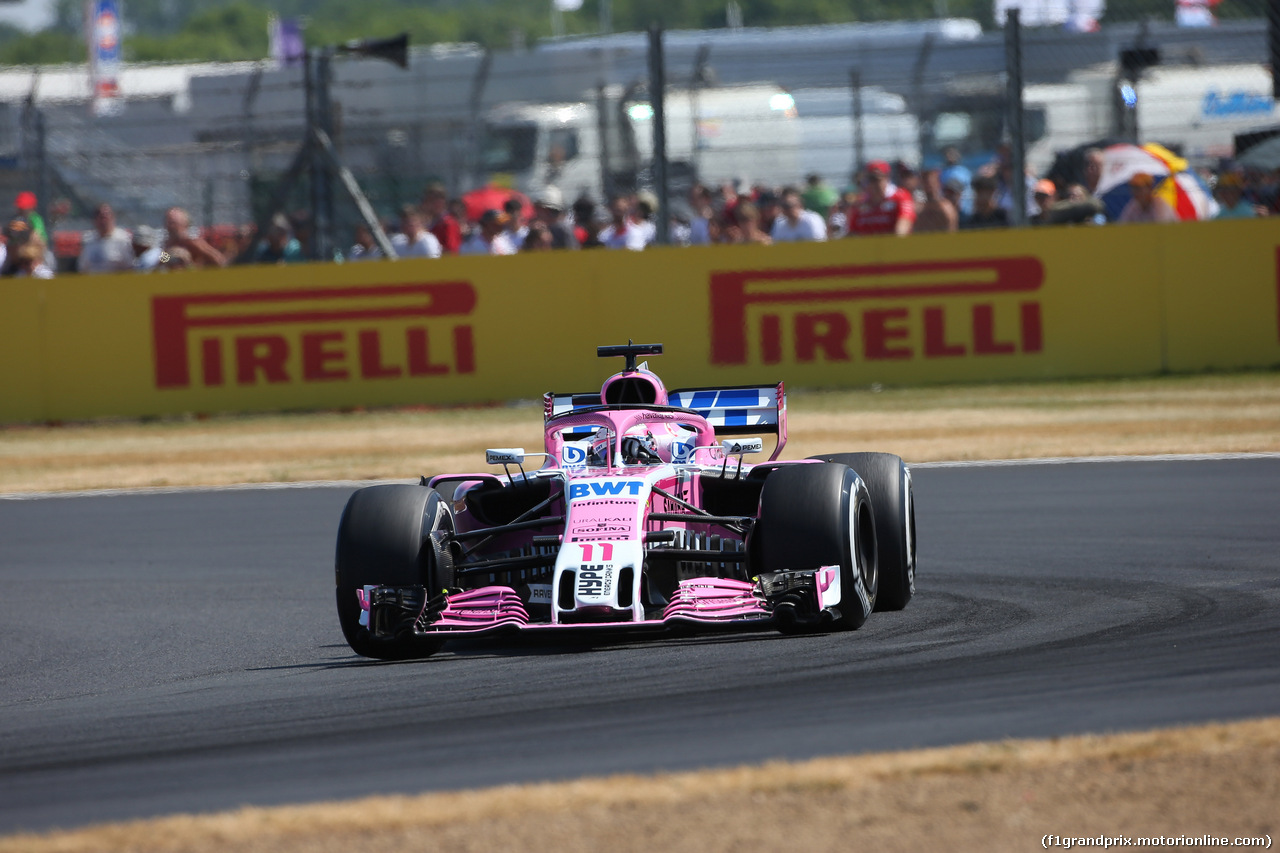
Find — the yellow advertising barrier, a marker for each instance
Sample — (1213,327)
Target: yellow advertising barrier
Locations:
(1063,302)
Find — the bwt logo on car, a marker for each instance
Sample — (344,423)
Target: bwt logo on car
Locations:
(316,335)
(927,309)
(605,489)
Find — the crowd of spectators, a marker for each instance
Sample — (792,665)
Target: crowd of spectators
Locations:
(883,199)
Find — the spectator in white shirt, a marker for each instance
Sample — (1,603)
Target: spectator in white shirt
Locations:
(110,248)
(622,232)
(490,238)
(517,226)
(414,240)
(797,224)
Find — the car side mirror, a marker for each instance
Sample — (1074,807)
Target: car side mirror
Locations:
(736,446)
(504,456)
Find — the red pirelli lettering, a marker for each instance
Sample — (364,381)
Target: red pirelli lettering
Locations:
(734,293)
(323,351)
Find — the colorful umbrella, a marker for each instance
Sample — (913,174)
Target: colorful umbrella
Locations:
(1181,188)
(492,197)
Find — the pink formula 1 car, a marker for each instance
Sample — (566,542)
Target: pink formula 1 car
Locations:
(644,516)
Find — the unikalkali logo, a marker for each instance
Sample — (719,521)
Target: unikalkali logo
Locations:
(895,311)
(316,335)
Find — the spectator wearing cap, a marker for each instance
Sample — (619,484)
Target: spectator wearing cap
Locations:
(795,224)
(442,224)
(1231,201)
(278,245)
(883,208)
(1043,193)
(986,212)
(24,207)
(108,248)
(490,236)
(622,232)
(548,209)
(178,235)
(1146,206)
(414,240)
(937,213)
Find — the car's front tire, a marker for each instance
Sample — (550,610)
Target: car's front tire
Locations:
(821,515)
(384,540)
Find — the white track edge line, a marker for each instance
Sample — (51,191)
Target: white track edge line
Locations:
(183,490)
(1073,460)
(354,484)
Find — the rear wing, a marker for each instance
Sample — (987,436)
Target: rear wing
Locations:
(736,410)
(739,410)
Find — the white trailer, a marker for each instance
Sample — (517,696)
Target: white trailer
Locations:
(715,134)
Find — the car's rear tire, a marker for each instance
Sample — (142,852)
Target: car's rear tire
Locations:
(889,482)
(820,515)
(384,539)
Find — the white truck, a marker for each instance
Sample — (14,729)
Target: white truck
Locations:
(1194,110)
(714,134)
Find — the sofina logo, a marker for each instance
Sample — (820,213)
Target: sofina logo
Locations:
(318,335)
(877,312)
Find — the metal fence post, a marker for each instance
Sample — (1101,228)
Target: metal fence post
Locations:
(1013,105)
(859,136)
(657,99)
(606,150)
(1273,45)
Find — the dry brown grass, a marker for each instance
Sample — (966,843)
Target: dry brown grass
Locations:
(1219,780)
(1228,413)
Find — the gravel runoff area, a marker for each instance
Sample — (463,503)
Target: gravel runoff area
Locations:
(1181,414)
(1207,783)
(1196,784)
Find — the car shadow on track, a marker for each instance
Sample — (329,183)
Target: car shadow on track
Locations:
(466,649)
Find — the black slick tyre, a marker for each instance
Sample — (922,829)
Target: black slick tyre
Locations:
(384,540)
(889,483)
(820,515)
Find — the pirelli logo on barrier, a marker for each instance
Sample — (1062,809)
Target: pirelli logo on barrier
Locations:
(877,312)
(379,332)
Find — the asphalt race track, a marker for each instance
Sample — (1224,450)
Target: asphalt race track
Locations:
(179,652)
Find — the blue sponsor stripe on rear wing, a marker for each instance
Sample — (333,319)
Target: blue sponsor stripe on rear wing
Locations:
(746,410)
